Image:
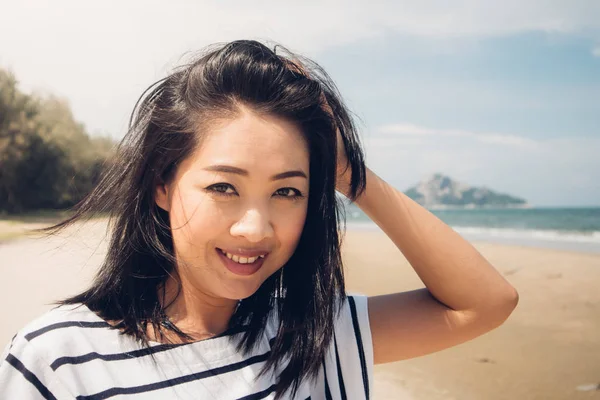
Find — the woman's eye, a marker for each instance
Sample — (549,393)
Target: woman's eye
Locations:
(288,192)
(226,189)
(222,188)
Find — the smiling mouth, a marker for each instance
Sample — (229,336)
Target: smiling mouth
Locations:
(243,265)
(241,259)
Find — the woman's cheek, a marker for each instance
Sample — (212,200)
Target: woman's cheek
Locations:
(292,227)
(191,215)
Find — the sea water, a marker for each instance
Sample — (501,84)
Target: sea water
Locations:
(576,229)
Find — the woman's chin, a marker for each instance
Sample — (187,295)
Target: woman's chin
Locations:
(241,290)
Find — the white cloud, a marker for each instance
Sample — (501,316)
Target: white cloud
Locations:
(101,55)
(560,171)
(404,129)
(596,51)
(313,24)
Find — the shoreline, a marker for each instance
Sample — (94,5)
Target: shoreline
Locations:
(11,231)
(534,243)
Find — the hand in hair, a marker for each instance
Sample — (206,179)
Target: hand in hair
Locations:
(343,170)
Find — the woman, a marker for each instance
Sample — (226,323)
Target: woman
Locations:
(223,277)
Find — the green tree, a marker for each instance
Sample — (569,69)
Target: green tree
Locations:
(47,160)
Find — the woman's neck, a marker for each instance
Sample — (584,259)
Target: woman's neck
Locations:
(194,313)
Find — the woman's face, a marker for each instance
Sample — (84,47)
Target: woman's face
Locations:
(237,205)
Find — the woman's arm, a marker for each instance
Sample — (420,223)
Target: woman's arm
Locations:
(465,296)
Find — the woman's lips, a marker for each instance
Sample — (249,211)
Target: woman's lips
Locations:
(240,269)
(242,252)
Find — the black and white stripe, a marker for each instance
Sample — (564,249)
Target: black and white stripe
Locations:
(30,377)
(115,391)
(359,344)
(67,354)
(339,370)
(80,324)
(142,352)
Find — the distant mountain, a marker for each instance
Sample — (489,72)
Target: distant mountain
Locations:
(439,191)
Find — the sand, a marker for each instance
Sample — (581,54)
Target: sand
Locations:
(548,349)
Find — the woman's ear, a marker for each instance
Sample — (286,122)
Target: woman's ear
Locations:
(161,196)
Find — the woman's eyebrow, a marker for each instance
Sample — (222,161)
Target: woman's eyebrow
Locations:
(228,169)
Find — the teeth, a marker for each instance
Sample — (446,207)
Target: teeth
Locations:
(242,260)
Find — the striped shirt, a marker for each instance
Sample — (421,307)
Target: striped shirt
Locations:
(71,353)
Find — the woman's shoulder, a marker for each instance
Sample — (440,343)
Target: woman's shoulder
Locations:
(352,348)
(61,319)
(59,329)
(29,361)
(352,321)
(353,313)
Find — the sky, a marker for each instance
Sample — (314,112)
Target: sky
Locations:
(504,95)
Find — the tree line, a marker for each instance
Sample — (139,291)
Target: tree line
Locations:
(47,159)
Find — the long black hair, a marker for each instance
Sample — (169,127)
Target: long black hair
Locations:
(165,127)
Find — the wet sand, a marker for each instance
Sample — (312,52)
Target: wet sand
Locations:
(548,348)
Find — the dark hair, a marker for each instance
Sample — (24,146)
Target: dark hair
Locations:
(165,127)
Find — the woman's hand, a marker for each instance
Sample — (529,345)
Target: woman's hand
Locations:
(343,170)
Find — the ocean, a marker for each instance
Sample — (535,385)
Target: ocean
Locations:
(575,229)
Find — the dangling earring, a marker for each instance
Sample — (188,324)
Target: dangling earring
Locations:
(280,291)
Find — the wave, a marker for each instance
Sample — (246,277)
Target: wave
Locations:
(551,235)
(536,234)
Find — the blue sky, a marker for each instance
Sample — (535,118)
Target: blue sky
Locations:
(503,95)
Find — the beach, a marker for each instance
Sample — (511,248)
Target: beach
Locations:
(548,349)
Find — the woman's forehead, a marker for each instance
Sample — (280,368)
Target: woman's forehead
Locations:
(254,142)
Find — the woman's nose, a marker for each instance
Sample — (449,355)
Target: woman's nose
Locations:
(254,225)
